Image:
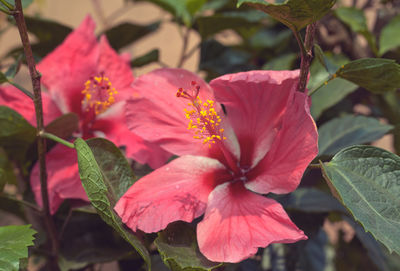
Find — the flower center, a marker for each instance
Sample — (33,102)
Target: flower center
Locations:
(99,94)
(203,118)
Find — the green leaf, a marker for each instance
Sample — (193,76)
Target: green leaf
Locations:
(183,10)
(3,78)
(25,3)
(126,33)
(97,178)
(350,130)
(16,134)
(218,59)
(152,56)
(210,25)
(117,173)
(377,75)
(355,19)
(311,200)
(390,38)
(179,250)
(14,243)
(13,206)
(368,181)
(63,126)
(372,246)
(282,62)
(296,14)
(49,33)
(6,170)
(13,69)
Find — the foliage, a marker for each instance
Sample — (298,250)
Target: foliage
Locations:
(353,87)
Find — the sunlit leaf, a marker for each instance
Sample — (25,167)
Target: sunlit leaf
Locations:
(377,75)
(296,14)
(178,248)
(98,177)
(390,38)
(14,243)
(339,133)
(367,180)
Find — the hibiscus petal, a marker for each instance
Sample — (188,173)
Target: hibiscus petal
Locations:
(159,117)
(112,124)
(238,221)
(16,100)
(69,66)
(255,102)
(63,179)
(116,68)
(294,147)
(176,191)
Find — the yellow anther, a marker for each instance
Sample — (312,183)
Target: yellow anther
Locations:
(98,94)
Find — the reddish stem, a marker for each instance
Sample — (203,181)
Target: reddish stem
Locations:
(41,143)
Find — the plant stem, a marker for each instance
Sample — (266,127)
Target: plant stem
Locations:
(56,139)
(182,58)
(41,143)
(306,55)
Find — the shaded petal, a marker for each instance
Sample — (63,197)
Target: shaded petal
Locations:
(159,117)
(63,179)
(176,191)
(238,221)
(116,68)
(16,100)
(255,102)
(69,66)
(294,147)
(113,124)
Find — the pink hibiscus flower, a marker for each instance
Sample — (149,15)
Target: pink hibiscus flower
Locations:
(88,78)
(262,144)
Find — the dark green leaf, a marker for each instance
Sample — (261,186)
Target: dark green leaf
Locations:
(100,243)
(6,170)
(13,206)
(126,33)
(14,243)
(295,14)
(367,180)
(3,78)
(282,62)
(355,19)
(349,130)
(13,69)
(374,249)
(331,93)
(16,134)
(145,59)
(63,126)
(96,179)
(210,25)
(377,75)
(311,200)
(117,173)
(270,39)
(218,59)
(50,34)
(178,248)
(390,38)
